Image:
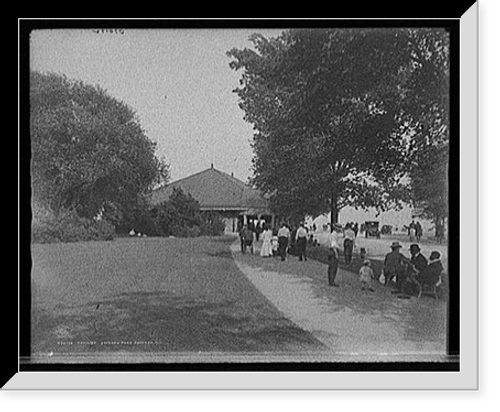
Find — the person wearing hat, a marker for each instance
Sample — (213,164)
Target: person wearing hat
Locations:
(394,267)
(419,265)
(418,261)
(366,275)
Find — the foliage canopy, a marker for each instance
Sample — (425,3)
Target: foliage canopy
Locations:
(339,115)
(89,152)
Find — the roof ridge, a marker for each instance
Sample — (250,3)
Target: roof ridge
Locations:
(230,178)
(180,180)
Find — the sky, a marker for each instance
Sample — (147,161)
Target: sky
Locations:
(180,84)
(177,80)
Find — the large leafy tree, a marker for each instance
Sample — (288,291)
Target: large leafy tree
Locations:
(89,152)
(428,121)
(326,110)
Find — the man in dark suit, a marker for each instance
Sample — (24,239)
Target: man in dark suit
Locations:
(418,261)
(419,265)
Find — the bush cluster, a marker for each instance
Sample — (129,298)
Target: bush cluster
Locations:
(179,216)
(67,226)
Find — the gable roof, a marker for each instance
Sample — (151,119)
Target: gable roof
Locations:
(214,190)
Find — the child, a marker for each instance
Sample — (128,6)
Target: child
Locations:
(274,245)
(366,275)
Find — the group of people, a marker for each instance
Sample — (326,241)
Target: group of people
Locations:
(408,273)
(398,270)
(279,244)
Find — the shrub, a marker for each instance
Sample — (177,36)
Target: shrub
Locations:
(212,225)
(180,216)
(67,226)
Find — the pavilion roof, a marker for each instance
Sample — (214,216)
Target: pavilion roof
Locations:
(214,190)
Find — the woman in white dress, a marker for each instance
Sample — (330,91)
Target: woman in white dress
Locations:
(266,249)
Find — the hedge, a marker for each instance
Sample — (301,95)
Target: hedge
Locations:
(67,226)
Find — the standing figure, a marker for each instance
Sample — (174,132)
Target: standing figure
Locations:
(301,242)
(418,231)
(241,232)
(349,237)
(258,231)
(283,239)
(266,248)
(333,265)
(248,239)
(333,255)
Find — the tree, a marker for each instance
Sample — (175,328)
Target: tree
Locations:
(89,153)
(325,105)
(427,119)
(181,216)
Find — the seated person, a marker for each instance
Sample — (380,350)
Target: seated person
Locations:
(432,274)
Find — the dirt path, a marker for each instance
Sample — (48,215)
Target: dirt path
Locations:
(354,324)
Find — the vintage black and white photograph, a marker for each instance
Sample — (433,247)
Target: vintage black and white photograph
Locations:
(243,195)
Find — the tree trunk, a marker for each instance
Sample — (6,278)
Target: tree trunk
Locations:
(334,211)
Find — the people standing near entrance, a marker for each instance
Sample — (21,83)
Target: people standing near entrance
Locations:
(301,241)
(283,239)
(241,233)
(258,231)
(248,239)
(266,248)
(349,237)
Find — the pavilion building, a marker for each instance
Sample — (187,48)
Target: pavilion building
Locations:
(236,202)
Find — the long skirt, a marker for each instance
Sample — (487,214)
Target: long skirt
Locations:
(266,249)
(282,245)
(301,247)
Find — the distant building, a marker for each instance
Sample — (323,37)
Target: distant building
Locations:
(236,202)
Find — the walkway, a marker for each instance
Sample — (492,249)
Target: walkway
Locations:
(355,325)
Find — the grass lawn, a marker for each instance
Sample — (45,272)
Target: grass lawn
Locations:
(153,295)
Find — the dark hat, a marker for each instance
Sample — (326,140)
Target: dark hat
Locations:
(415,246)
(395,245)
